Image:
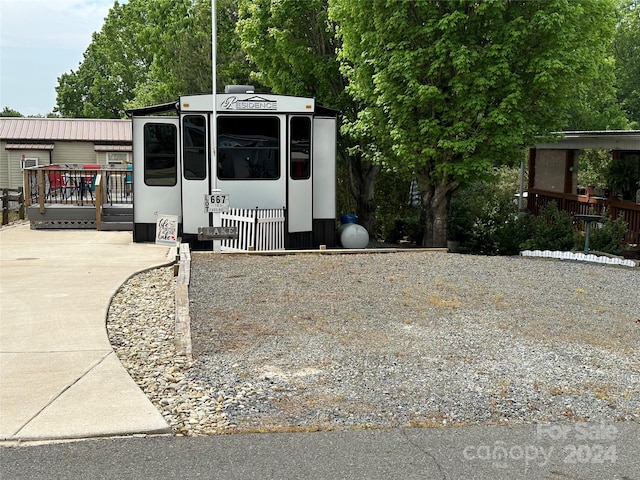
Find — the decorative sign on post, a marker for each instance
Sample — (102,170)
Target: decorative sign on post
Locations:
(167,230)
(217,233)
(216,202)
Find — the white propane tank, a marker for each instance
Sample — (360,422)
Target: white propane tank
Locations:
(353,235)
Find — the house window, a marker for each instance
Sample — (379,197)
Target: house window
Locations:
(117,158)
(160,154)
(248,148)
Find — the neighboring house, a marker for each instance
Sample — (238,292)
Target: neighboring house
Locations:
(553,177)
(27,142)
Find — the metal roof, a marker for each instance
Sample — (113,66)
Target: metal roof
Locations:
(602,139)
(69,129)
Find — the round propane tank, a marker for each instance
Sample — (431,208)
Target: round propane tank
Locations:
(353,235)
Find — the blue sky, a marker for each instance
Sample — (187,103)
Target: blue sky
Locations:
(39,41)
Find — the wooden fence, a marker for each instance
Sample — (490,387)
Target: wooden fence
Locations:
(258,230)
(12,201)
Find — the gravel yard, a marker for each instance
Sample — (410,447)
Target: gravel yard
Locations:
(308,342)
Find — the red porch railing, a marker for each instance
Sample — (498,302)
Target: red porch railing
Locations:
(583,204)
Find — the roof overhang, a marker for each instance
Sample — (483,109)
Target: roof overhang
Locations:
(601,139)
(113,148)
(28,146)
(203,103)
(153,109)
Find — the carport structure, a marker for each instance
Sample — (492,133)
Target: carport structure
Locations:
(553,177)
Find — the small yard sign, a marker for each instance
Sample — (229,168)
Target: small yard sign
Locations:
(167,230)
(217,233)
(216,202)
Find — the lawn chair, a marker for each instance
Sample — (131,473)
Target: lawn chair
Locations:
(58,183)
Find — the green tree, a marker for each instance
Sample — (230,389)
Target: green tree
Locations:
(152,51)
(10,112)
(450,88)
(182,60)
(117,59)
(293,46)
(597,106)
(626,49)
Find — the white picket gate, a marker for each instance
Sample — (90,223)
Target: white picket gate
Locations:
(260,229)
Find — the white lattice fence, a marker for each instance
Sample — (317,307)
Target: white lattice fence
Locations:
(260,229)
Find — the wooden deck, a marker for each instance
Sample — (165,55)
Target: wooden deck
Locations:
(79,196)
(583,204)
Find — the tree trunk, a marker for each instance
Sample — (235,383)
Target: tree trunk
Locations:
(362,179)
(435,201)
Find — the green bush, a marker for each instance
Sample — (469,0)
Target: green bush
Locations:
(484,216)
(408,227)
(551,230)
(607,237)
(497,230)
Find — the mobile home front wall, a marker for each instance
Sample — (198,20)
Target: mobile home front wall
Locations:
(272,153)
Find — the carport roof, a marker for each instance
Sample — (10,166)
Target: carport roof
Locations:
(601,139)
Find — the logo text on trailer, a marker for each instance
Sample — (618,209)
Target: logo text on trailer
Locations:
(253,103)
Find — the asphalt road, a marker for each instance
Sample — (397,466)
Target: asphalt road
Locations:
(557,451)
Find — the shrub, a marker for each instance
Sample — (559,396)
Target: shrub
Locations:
(606,238)
(484,217)
(409,228)
(551,230)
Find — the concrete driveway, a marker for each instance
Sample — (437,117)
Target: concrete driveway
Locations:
(59,377)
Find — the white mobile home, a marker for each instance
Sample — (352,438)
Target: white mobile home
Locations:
(272,152)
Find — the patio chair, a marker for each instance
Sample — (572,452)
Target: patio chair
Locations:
(88,181)
(58,183)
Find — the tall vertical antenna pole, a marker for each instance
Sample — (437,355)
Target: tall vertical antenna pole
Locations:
(214,120)
(216,217)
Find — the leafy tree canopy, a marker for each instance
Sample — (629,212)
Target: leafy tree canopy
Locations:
(152,51)
(115,61)
(626,49)
(451,87)
(10,112)
(292,44)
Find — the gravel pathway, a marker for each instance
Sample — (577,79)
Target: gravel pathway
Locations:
(307,342)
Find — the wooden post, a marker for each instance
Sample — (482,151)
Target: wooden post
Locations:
(27,185)
(21,213)
(531,181)
(5,206)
